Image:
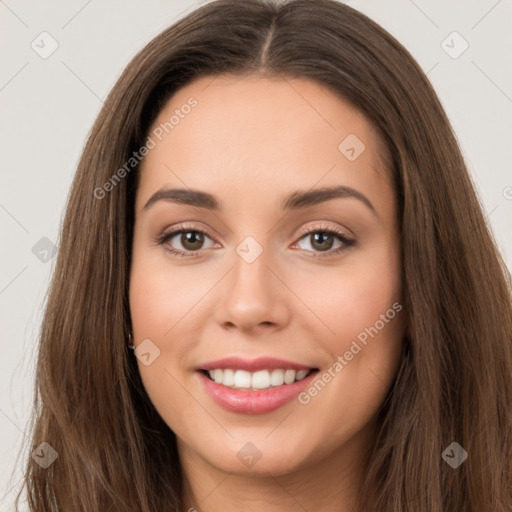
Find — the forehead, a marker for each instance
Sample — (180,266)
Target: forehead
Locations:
(255,136)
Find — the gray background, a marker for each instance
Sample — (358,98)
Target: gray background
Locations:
(48,106)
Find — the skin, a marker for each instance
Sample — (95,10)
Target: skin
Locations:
(251,141)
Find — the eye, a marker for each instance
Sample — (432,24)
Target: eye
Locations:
(191,240)
(323,238)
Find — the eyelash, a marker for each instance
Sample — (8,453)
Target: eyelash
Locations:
(347,242)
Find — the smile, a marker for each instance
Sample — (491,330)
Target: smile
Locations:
(251,399)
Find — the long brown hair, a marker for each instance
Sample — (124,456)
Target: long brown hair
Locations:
(454,384)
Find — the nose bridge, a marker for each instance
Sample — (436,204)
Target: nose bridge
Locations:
(251,264)
(253,295)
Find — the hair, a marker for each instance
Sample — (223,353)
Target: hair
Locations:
(454,383)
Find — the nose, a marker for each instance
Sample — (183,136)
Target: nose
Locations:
(253,296)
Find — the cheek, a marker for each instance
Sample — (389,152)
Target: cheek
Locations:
(156,307)
(352,297)
(165,301)
(361,329)
(153,304)
(161,295)
(361,305)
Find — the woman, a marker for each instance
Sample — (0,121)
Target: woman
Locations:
(275,286)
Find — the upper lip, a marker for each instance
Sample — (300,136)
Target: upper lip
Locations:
(253,365)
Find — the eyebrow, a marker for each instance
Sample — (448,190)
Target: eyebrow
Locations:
(295,201)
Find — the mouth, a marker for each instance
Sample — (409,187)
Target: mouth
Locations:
(258,392)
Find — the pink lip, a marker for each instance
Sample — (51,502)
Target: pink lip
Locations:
(253,365)
(253,402)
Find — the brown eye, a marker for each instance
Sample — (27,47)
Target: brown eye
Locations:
(322,241)
(192,240)
(325,240)
(184,242)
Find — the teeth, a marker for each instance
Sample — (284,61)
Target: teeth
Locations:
(289,376)
(261,379)
(228,377)
(242,379)
(301,374)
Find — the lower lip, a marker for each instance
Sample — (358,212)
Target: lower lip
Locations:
(254,402)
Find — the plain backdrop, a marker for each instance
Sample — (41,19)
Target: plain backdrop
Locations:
(49,104)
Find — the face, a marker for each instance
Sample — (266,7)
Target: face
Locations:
(269,271)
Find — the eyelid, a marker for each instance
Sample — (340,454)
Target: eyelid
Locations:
(184,226)
(308,229)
